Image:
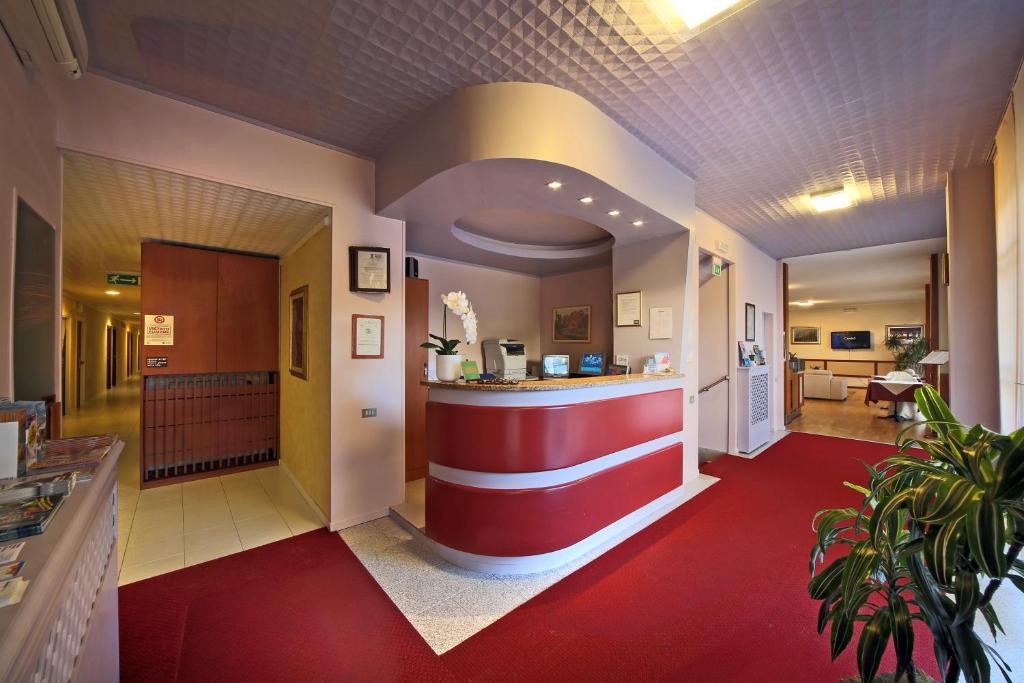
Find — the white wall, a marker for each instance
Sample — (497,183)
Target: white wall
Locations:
(873,317)
(102,117)
(973,347)
(1009,198)
(754,277)
(717,358)
(505,303)
(30,169)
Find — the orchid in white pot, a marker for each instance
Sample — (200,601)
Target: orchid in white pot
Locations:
(449,361)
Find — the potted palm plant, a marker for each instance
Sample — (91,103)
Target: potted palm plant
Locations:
(906,352)
(933,541)
(449,360)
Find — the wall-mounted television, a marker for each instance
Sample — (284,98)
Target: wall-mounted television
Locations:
(860,339)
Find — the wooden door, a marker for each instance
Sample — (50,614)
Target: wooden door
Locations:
(79,363)
(417,300)
(111,368)
(247,311)
(181,282)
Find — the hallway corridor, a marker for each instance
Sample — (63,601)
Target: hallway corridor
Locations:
(179,525)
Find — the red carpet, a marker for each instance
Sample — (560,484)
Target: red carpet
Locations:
(715,591)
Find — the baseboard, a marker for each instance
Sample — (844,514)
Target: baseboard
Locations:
(321,517)
(358,519)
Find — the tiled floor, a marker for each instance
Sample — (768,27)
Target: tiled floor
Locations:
(444,603)
(179,525)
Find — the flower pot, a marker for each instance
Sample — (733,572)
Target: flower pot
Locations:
(449,368)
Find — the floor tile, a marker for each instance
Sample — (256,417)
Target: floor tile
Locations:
(257,531)
(211,543)
(153,550)
(150,569)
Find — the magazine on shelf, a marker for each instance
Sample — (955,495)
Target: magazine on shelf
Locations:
(23,488)
(63,455)
(27,517)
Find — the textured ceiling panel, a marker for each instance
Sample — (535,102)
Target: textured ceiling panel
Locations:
(111,207)
(783,98)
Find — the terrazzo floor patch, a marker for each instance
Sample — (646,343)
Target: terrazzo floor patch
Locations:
(444,603)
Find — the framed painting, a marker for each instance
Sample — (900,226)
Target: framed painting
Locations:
(570,324)
(750,329)
(805,335)
(905,333)
(298,336)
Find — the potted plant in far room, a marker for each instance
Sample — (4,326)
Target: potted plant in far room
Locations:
(449,361)
(906,352)
(933,541)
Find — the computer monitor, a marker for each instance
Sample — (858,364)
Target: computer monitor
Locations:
(592,364)
(555,366)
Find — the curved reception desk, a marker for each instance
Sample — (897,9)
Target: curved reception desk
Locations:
(528,477)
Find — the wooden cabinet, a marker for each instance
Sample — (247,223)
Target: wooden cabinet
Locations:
(416,307)
(247,310)
(794,393)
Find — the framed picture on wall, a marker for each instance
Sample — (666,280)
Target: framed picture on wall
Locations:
(629,309)
(805,335)
(570,324)
(905,333)
(369,269)
(750,331)
(298,336)
(367,336)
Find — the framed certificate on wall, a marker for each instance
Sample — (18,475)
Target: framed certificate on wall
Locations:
(628,309)
(367,336)
(369,269)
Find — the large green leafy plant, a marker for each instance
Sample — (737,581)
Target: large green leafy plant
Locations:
(906,352)
(933,541)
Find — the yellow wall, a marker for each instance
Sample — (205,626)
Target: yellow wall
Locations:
(305,404)
(94,348)
(873,317)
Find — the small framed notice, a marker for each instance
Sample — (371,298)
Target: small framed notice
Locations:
(367,336)
(158,330)
(628,309)
(369,269)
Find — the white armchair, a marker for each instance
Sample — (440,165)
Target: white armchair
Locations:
(821,384)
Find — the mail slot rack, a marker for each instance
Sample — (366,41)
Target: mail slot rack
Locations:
(201,425)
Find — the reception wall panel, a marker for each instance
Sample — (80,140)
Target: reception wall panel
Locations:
(539,438)
(524,522)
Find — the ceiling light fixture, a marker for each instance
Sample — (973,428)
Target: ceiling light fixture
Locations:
(637,223)
(696,13)
(555,185)
(614,212)
(586,200)
(112,292)
(830,200)
(803,303)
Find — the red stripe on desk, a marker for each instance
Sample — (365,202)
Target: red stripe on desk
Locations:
(523,522)
(539,438)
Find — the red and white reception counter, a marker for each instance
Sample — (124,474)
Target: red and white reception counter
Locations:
(526,478)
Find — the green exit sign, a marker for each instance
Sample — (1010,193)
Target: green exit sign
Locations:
(716,268)
(123,279)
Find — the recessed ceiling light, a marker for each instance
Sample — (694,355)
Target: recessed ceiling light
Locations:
(554,185)
(830,200)
(637,223)
(586,200)
(614,212)
(697,12)
(803,303)
(112,292)
(135,313)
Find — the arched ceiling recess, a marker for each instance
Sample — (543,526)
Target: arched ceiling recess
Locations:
(497,146)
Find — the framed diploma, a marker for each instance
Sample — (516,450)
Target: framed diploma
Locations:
(628,307)
(367,336)
(369,269)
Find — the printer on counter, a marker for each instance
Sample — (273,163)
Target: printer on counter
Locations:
(505,358)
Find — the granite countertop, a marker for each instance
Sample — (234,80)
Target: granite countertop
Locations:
(551,384)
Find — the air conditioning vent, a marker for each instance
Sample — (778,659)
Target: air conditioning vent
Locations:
(46,34)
